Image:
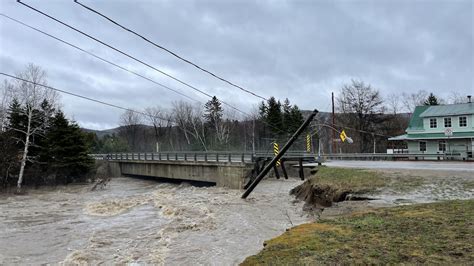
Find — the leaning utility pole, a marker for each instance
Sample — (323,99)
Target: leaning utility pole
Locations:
(279,155)
(333,122)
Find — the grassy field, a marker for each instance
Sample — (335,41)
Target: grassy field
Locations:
(354,180)
(436,233)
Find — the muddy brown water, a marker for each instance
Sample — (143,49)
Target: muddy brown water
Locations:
(144,222)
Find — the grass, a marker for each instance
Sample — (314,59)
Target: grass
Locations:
(349,179)
(435,233)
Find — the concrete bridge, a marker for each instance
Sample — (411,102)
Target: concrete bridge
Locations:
(224,169)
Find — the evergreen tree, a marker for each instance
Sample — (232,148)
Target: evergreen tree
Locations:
(213,111)
(432,100)
(66,150)
(287,120)
(262,109)
(296,119)
(274,116)
(16,121)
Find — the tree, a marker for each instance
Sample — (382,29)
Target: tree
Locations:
(456,98)
(130,123)
(410,101)
(5,93)
(296,119)
(431,100)
(274,116)
(66,149)
(161,122)
(362,107)
(31,96)
(286,115)
(213,111)
(189,120)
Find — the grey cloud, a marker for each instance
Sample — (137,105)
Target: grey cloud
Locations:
(302,50)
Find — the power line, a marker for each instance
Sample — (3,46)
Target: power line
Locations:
(169,51)
(98,57)
(140,61)
(127,55)
(82,97)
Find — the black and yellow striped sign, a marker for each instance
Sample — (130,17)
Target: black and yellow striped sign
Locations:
(308,142)
(276,150)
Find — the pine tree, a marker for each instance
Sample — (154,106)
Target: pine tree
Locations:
(274,116)
(262,110)
(66,150)
(213,111)
(296,119)
(287,120)
(432,100)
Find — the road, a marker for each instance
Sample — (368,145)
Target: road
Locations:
(415,165)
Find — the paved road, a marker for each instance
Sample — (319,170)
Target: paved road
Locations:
(418,165)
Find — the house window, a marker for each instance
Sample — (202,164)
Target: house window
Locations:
(442,145)
(447,122)
(433,123)
(462,121)
(422,145)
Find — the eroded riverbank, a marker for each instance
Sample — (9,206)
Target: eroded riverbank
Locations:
(145,222)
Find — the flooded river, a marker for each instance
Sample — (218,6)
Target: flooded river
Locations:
(142,221)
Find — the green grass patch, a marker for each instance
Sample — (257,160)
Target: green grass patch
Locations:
(435,233)
(349,179)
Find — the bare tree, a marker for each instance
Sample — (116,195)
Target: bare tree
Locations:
(412,100)
(130,125)
(394,103)
(5,93)
(362,109)
(161,121)
(189,120)
(455,98)
(31,97)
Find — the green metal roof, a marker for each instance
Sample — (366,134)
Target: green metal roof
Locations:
(450,109)
(416,122)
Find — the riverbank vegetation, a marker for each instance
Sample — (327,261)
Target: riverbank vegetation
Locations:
(38,144)
(435,233)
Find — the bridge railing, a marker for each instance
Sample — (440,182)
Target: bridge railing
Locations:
(193,156)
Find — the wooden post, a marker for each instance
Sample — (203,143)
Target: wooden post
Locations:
(301,172)
(279,155)
(277,175)
(283,169)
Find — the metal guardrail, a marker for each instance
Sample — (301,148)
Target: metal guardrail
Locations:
(247,157)
(184,156)
(394,156)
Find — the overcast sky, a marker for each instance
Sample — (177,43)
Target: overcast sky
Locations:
(301,50)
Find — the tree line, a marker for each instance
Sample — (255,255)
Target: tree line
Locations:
(361,111)
(38,144)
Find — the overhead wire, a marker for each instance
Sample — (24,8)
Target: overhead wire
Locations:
(169,51)
(98,57)
(82,96)
(140,61)
(127,55)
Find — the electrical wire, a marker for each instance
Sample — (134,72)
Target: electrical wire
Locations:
(98,57)
(138,60)
(127,55)
(82,97)
(169,51)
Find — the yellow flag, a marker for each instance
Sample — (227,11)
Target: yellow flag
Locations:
(343,136)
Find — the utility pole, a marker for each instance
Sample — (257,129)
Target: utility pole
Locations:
(333,150)
(253,137)
(279,155)
(373,136)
